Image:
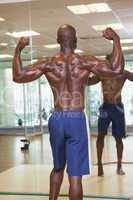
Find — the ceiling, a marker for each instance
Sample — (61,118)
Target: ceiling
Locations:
(45,17)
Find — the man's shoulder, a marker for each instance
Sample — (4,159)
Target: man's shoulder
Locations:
(88,57)
(55,57)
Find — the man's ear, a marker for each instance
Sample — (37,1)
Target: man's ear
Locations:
(58,40)
(75,42)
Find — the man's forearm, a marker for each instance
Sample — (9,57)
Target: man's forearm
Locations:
(117,58)
(17,64)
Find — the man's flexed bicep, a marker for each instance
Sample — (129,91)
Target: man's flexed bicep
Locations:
(101,68)
(24,74)
(116,58)
(31,72)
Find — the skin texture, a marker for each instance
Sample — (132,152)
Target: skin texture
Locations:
(67,74)
(111,88)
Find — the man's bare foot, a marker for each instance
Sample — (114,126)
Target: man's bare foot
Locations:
(120,171)
(100,170)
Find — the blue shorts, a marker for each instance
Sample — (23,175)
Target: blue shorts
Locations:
(69,142)
(112,113)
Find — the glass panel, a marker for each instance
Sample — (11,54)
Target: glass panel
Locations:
(12,99)
(94,100)
(47,104)
(127,96)
(16,19)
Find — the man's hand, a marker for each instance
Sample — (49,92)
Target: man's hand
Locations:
(23,42)
(110,34)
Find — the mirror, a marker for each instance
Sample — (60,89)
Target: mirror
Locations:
(25,153)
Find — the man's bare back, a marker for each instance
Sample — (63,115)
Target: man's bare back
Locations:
(68,82)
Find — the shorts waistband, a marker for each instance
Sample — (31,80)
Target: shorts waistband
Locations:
(68,114)
(112,104)
(69,111)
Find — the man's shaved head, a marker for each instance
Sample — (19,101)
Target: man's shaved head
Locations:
(67,33)
(66,29)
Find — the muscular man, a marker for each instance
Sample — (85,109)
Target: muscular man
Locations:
(112,110)
(67,74)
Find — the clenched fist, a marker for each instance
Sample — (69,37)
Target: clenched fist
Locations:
(23,42)
(110,34)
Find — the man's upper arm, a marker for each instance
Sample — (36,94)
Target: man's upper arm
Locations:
(103,68)
(100,67)
(31,72)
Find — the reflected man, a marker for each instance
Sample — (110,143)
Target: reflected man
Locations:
(112,110)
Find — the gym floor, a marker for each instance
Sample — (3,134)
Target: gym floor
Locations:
(29,171)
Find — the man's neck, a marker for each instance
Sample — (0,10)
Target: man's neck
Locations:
(66,51)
